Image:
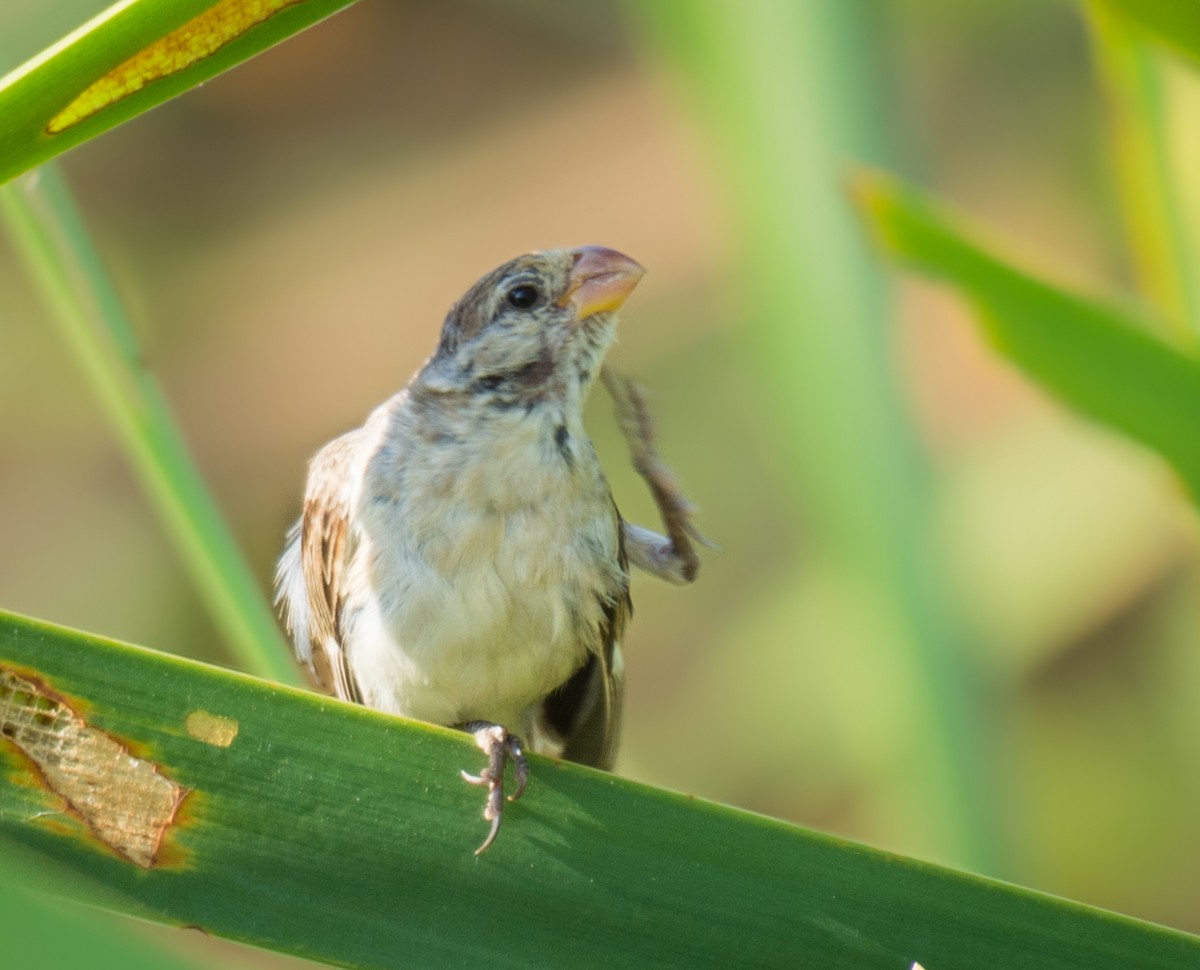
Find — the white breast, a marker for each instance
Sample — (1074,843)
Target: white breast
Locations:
(476,592)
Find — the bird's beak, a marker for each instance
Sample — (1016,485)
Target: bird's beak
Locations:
(601,280)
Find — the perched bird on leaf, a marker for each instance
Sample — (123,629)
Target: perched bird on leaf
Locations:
(460,559)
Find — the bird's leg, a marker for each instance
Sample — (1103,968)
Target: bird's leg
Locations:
(500,746)
(671,557)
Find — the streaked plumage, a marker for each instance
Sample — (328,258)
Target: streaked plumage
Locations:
(459,558)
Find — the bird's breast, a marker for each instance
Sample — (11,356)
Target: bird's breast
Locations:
(486,591)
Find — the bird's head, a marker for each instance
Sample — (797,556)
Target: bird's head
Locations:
(537,325)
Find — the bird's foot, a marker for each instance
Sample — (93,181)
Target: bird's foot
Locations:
(500,746)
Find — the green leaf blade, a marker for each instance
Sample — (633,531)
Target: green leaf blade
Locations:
(1099,359)
(33,96)
(339,834)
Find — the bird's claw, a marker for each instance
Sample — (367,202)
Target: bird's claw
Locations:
(500,746)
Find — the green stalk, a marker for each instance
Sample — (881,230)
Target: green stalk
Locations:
(1131,74)
(778,90)
(52,242)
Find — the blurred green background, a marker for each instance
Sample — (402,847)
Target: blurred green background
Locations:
(946,617)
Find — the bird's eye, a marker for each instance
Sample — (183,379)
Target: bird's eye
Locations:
(523,296)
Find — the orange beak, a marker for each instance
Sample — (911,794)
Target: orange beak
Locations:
(601,280)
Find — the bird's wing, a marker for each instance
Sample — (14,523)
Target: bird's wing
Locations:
(325,548)
(585,711)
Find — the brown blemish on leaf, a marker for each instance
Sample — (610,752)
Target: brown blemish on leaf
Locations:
(127,802)
(211,728)
(200,37)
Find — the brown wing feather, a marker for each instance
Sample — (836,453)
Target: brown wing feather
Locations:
(586,710)
(324,550)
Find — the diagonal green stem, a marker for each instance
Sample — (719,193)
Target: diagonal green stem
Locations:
(129,58)
(52,242)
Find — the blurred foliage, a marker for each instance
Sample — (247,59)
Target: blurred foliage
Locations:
(1097,358)
(799,257)
(1169,22)
(924,560)
(39,930)
(59,257)
(1134,82)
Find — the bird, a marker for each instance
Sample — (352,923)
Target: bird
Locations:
(459,558)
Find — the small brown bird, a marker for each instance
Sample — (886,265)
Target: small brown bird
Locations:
(460,559)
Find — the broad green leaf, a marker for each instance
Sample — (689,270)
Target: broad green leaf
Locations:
(131,57)
(1173,22)
(1099,358)
(282,818)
